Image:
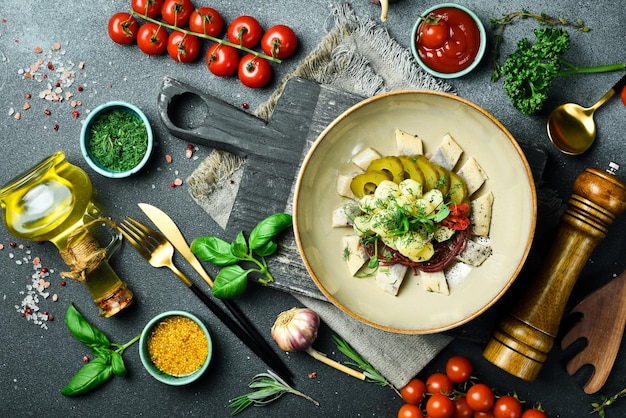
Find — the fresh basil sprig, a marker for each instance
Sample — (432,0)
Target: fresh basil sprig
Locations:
(108,360)
(232,280)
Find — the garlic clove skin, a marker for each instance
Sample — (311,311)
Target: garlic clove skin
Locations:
(296,329)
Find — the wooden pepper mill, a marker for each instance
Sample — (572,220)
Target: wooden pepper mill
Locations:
(524,337)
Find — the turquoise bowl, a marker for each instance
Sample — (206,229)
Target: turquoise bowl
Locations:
(481,47)
(153,369)
(86,131)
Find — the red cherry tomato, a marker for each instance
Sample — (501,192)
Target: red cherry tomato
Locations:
(176,12)
(624,95)
(150,8)
(123,28)
(534,413)
(439,383)
(182,47)
(245,31)
(433,32)
(458,369)
(410,411)
(507,407)
(462,409)
(152,38)
(206,20)
(254,72)
(439,406)
(483,414)
(413,392)
(480,397)
(279,41)
(222,60)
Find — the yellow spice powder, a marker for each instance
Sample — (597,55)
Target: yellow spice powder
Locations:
(178,346)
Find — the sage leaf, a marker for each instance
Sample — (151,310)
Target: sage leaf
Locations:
(239,248)
(83,331)
(230,282)
(214,250)
(268,228)
(117,364)
(89,377)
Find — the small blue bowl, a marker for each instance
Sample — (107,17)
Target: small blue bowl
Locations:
(86,132)
(481,47)
(149,365)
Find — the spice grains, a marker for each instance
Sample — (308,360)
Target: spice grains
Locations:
(178,346)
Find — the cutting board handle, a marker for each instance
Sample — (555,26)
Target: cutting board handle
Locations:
(221,125)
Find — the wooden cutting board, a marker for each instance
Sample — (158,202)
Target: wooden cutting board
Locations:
(274,151)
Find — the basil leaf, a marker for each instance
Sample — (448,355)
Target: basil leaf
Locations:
(214,250)
(117,364)
(269,248)
(89,377)
(239,248)
(268,228)
(230,282)
(83,331)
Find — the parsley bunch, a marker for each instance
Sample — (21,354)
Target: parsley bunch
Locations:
(531,69)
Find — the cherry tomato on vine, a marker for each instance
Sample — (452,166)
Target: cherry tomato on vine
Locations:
(245,31)
(534,413)
(410,411)
(483,414)
(176,12)
(624,95)
(413,392)
(462,409)
(152,38)
(439,406)
(254,72)
(182,47)
(433,32)
(279,41)
(480,397)
(222,60)
(123,28)
(150,8)
(507,407)
(458,369)
(439,383)
(206,20)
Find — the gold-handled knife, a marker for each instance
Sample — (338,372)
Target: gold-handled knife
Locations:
(168,227)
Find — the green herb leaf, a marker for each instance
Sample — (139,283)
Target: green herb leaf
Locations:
(117,364)
(268,249)
(83,331)
(90,376)
(239,248)
(268,228)
(214,250)
(230,282)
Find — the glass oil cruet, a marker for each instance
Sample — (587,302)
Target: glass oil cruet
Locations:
(53,202)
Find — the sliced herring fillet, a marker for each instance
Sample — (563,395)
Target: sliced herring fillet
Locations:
(448,153)
(408,144)
(389,278)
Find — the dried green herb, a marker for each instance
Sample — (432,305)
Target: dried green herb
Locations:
(118,140)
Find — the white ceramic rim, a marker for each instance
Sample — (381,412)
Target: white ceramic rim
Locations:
(93,115)
(481,48)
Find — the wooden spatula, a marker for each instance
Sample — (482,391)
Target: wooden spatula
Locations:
(602,324)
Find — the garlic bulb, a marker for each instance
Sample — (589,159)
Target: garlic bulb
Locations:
(296,329)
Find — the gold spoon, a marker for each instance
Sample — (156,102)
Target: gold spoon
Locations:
(571,127)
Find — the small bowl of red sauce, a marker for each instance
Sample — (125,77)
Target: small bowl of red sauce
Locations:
(448,40)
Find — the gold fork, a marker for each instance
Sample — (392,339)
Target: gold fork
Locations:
(159,252)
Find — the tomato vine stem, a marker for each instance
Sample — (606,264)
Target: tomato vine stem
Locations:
(208,37)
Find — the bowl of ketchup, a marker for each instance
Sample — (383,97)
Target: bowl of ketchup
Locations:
(448,40)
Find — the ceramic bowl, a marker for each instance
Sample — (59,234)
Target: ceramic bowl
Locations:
(147,360)
(481,46)
(372,123)
(86,133)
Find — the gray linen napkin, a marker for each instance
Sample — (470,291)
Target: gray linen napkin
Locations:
(358,56)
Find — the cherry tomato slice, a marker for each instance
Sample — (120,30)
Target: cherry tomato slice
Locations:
(254,72)
(222,60)
(123,28)
(150,8)
(177,12)
(206,20)
(182,47)
(413,392)
(279,41)
(152,38)
(245,31)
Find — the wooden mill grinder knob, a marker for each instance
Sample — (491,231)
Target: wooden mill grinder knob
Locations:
(524,337)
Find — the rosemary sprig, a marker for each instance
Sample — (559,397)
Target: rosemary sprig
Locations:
(268,387)
(498,25)
(371,374)
(606,402)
